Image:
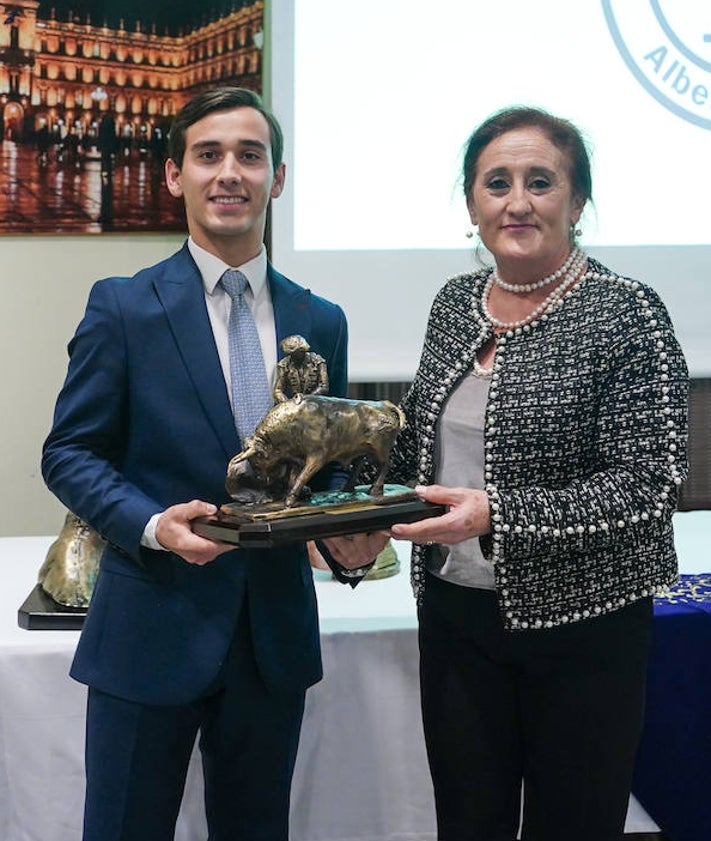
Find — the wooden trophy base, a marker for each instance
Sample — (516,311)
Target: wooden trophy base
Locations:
(325,515)
(40,612)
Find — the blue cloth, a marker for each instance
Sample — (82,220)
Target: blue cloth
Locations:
(673,772)
(251,398)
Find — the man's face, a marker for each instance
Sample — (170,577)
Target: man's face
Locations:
(226,180)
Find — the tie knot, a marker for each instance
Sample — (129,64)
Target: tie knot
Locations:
(233,282)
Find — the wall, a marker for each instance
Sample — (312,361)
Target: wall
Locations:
(46,281)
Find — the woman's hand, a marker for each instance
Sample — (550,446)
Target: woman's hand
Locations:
(468,516)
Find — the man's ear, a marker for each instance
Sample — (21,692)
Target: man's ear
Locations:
(278,183)
(172,178)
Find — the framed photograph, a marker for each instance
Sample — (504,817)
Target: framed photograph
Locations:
(88,89)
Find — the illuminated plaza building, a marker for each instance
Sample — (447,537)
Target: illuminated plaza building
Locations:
(64,77)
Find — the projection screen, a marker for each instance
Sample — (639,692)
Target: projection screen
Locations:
(378,97)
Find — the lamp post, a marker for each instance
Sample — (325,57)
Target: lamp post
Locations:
(98,95)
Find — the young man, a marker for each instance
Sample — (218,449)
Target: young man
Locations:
(184,634)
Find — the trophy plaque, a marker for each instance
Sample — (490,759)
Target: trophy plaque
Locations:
(328,514)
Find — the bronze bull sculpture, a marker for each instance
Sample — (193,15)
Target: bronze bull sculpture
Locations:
(298,437)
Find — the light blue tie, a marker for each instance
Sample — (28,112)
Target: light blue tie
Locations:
(251,398)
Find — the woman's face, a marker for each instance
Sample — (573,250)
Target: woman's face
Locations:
(523,202)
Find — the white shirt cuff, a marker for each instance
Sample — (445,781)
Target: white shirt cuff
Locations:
(149,534)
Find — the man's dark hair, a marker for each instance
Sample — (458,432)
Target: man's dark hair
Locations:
(221,99)
(561,133)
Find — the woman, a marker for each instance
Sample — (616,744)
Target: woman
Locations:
(548,413)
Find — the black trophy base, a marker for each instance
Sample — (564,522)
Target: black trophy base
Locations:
(40,612)
(272,525)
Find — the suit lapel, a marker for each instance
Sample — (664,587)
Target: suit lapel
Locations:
(180,290)
(292,310)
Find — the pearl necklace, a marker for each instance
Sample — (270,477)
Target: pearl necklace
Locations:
(521,288)
(552,299)
(479,370)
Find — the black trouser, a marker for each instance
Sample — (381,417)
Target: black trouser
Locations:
(559,709)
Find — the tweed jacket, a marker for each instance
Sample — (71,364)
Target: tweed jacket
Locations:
(585,444)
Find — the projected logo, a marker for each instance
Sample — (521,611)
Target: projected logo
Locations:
(667,46)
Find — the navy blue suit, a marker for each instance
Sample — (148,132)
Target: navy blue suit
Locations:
(144,422)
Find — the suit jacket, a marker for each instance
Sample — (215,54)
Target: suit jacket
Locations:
(143,422)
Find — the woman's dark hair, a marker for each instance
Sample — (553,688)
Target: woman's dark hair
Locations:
(221,99)
(561,133)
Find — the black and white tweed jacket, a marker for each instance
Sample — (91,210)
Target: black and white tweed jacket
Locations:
(585,444)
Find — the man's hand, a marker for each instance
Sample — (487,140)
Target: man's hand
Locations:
(174,532)
(316,559)
(356,550)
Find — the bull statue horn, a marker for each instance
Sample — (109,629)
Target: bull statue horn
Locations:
(243,456)
(397,411)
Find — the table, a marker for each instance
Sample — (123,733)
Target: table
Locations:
(361,773)
(673,771)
